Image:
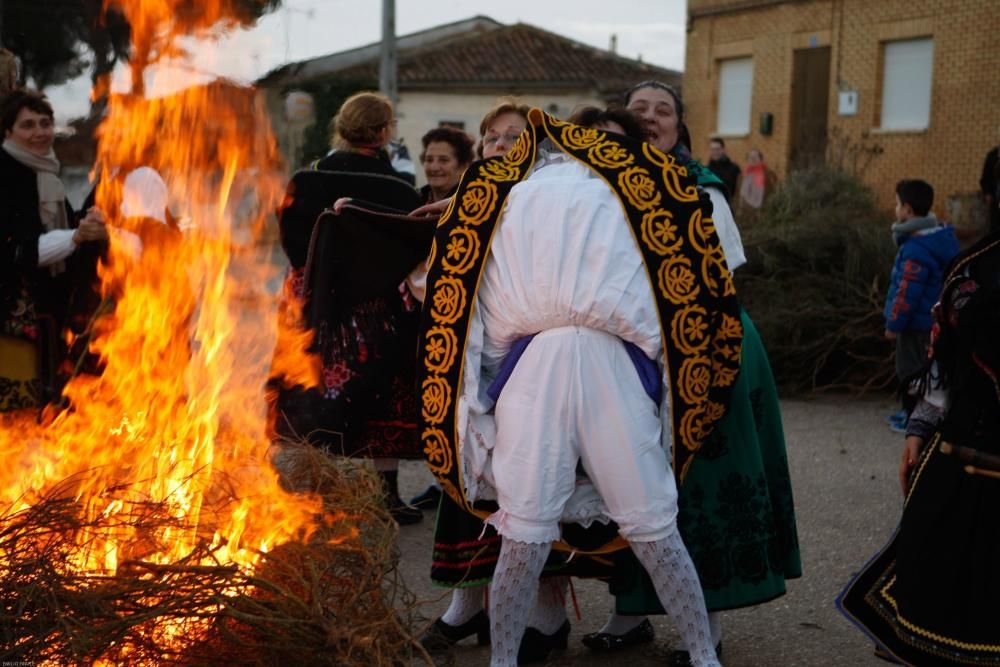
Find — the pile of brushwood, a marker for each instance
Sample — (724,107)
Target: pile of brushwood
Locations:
(818,263)
(333,598)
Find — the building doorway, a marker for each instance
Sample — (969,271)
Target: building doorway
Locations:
(810,104)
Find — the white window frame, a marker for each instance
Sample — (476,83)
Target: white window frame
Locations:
(907,83)
(735,97)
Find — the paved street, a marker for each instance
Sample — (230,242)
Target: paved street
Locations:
(843,462)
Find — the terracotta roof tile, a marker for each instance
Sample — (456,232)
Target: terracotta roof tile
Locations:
(517,55)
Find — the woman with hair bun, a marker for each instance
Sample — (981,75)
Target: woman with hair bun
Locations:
(364,406)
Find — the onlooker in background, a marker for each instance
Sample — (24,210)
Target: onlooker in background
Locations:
(447,153)
(720,165)
(47,254)
(989,184)
(757,181)
(926,246)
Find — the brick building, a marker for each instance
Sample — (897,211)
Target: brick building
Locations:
(807,80)
(453,73)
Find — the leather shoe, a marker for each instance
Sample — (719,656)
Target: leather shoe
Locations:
(606,641)
(442,636)
(536,645)
(683,658)
(428,500)
(403,514)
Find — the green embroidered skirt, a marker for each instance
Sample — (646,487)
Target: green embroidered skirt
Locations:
(736,516)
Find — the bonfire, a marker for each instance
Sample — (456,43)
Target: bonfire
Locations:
(147,519)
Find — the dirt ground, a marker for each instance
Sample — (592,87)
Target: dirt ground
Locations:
(843,462)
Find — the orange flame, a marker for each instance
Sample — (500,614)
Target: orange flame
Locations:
(177,416)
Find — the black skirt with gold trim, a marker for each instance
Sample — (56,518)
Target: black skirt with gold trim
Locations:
(930,597)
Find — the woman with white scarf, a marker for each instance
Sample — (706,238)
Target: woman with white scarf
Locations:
(41,258)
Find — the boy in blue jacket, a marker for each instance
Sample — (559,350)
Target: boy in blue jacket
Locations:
(926,247)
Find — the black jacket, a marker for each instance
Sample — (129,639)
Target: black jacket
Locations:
(341,174)
(728,171)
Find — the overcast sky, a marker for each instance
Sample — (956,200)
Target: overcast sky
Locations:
(305,29)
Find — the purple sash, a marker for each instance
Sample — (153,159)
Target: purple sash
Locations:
(649,374)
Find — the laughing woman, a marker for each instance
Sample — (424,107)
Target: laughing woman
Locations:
(735,506)
(447,153)
(47,253)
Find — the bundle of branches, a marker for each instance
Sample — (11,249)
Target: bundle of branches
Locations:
(819,259)
(335,598)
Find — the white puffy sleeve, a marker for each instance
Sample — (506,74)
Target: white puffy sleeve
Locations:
(729,233)
(55,246)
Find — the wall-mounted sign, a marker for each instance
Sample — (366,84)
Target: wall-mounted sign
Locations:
(848,103)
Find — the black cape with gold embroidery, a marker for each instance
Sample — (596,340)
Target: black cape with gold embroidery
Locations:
(696,301)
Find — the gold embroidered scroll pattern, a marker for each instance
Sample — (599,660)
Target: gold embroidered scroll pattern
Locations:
(521,150)
(435,399)
(689,329)
(500,170)
(440,349)
(671,173)
(462,250)
(610,154)
(677,281)
(580,138)
(639,188)
(660,232)
(693,430)
(449,300)
(726,350)
(695,379)
(478,202)
(437,451)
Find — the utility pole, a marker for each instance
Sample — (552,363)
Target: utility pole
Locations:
(388,65)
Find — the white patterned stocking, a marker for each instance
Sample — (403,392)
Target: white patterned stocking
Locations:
(676,582)
(549,612)
(465,603)
(512,596)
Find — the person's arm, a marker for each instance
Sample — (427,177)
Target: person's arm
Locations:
(433,210)
(923,422)
(909,292)
(416,281)
(56,246)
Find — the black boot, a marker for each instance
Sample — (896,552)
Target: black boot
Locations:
(403,514)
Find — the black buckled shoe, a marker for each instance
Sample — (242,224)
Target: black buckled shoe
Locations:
(606,641)
(403,514)
(428,500)
(683,658)
(536,645)
(442,636)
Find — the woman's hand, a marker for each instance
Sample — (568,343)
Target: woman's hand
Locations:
(433,210)
(911,452)
(339,204)
(91,227)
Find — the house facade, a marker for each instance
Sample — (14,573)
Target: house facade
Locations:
(453,74)
(894,88)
